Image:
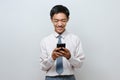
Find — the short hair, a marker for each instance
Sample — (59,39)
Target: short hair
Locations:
(59,9)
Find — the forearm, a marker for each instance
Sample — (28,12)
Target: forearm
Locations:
(46,64)
(76,62)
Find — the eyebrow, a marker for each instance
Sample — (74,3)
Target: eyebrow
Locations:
(59,19)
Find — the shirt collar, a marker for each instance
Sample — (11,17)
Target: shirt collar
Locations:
(64,34)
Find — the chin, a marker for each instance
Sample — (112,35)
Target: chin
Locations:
(60,32)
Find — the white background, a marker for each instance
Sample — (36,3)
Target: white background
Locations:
(23,23)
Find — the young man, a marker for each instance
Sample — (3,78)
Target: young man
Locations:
(57,59)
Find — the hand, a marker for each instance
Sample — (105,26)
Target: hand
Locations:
(56,53)
(66,53)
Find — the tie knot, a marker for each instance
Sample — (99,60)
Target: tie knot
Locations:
(59,36)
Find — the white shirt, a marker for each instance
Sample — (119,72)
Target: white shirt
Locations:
(73,44)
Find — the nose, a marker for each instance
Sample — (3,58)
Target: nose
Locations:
(59,23)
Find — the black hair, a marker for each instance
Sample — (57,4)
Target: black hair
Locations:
(59,9)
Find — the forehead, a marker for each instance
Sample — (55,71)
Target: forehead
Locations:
(59,16)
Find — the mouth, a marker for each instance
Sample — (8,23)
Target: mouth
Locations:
(60,28)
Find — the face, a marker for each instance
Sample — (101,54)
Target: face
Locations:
(59,21)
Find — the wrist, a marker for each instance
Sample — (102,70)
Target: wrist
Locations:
(68,57)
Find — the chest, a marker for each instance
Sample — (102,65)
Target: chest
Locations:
(69,42)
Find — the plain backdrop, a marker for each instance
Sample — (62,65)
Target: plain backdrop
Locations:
(23,23)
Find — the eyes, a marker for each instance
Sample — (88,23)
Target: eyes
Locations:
(62,20)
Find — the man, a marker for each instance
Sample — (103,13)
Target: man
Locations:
(57,59)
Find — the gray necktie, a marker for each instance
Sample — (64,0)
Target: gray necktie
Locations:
(59,63)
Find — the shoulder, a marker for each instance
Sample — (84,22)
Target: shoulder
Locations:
(73,36)
(47,38)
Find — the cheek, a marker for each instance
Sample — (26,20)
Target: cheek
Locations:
(64,24)
(55,24)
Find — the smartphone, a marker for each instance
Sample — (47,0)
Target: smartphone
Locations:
(61,45)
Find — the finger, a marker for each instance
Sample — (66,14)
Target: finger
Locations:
(66,50)
(57,49)
(62,52)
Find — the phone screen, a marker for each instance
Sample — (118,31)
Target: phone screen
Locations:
(61,45)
